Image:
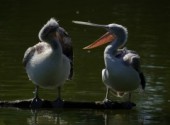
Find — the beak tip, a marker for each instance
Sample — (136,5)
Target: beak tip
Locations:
(85,48)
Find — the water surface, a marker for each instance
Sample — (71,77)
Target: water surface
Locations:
(148,23)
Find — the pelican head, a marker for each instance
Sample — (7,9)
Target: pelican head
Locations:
(48,30)
(115,31)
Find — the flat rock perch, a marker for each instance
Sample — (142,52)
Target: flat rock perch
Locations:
(26,104)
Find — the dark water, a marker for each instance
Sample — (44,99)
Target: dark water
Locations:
(148,23)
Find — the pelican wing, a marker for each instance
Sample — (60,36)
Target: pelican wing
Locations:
(67,48)
(28,55)
(143,81)
(133,59)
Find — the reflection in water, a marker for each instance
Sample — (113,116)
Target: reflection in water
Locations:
(65,117)
(45,117)
(84,117)
(121,119)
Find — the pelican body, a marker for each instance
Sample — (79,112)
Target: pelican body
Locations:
(122,73)
(49,62)
(119,75)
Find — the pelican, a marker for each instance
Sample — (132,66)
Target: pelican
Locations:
(49,63)
(122,73)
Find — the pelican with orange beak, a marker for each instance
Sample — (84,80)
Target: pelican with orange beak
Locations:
(122,73)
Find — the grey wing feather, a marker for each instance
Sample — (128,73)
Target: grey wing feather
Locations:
(28,54)
(136,65)
(68,51)
(133,59)
(67,48)
(143,81)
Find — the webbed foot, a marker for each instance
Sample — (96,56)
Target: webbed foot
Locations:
(59,103)
(36,103)
(107,103)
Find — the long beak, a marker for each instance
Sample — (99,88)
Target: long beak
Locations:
(89,24)
(107,37)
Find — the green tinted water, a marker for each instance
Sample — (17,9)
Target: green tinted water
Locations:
(148,23)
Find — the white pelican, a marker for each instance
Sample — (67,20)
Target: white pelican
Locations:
(122,73)
(49,62)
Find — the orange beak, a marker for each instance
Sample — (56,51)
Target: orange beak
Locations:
(107,37)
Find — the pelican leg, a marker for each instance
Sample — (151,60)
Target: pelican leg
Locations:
(59,93)
(130,95)
(107,93)
(36,102)
(36,92)
(128,104)
(107,103)
(58,103)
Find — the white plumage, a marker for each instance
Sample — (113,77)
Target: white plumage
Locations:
(48,64)
(122,73)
